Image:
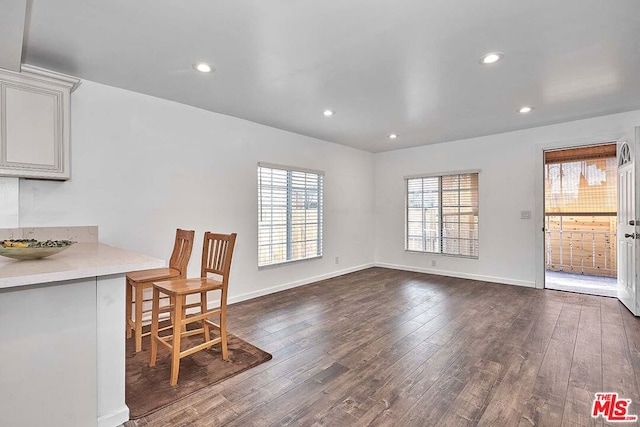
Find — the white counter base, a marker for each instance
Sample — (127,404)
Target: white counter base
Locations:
(48,356)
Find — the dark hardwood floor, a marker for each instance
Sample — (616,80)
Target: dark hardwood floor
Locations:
(390,348)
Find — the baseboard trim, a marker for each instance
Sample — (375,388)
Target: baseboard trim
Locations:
(295,284)
(114,418)
(492,279)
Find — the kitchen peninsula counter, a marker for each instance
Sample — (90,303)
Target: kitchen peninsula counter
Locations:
(78,261)
(62,337)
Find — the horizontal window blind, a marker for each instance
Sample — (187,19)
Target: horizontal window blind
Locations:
(582,187)
(442,214)
(289,214)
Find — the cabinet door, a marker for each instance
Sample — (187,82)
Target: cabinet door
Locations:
(33,139)
(34,126)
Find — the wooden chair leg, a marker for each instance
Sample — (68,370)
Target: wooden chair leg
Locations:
(203,308)
(223,326)
(172,313)
(172,302)
(155,308)
(183,314)
(138,322)
(177,331)
(127,316)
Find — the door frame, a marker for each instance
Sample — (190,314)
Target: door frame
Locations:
(539,193)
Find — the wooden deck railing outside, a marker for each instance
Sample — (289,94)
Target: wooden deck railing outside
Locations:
(579,244)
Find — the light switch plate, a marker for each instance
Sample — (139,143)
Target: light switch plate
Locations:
(525,214)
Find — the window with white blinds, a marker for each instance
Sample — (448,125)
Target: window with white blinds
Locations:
(442,214)
(289,214)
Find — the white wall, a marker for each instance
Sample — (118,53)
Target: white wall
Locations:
(9,202)
(510,168)
(143,166)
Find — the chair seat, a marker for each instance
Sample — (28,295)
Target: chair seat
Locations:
(188,286)
(153,274)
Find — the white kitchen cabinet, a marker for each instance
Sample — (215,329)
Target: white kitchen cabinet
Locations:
(35,109)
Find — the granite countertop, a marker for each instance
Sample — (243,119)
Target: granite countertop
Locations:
(79,261)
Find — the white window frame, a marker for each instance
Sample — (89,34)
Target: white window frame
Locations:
(289,209)
(440,217)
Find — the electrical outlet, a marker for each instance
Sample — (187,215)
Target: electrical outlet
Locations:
(433,263)
(525,214)
(337,260)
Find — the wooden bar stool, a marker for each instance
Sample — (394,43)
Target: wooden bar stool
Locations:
(217,251)
(138,281)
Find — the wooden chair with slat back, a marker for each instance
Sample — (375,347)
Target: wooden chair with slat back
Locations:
(217,252)
(138,281)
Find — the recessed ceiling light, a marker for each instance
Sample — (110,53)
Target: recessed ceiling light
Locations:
(328,113)
(525,109)
(203,67)
(393,136)
(491,58)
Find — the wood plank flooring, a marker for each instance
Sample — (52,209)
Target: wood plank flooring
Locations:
(382,347)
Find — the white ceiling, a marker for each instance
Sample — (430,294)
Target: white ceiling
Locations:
(385,66)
